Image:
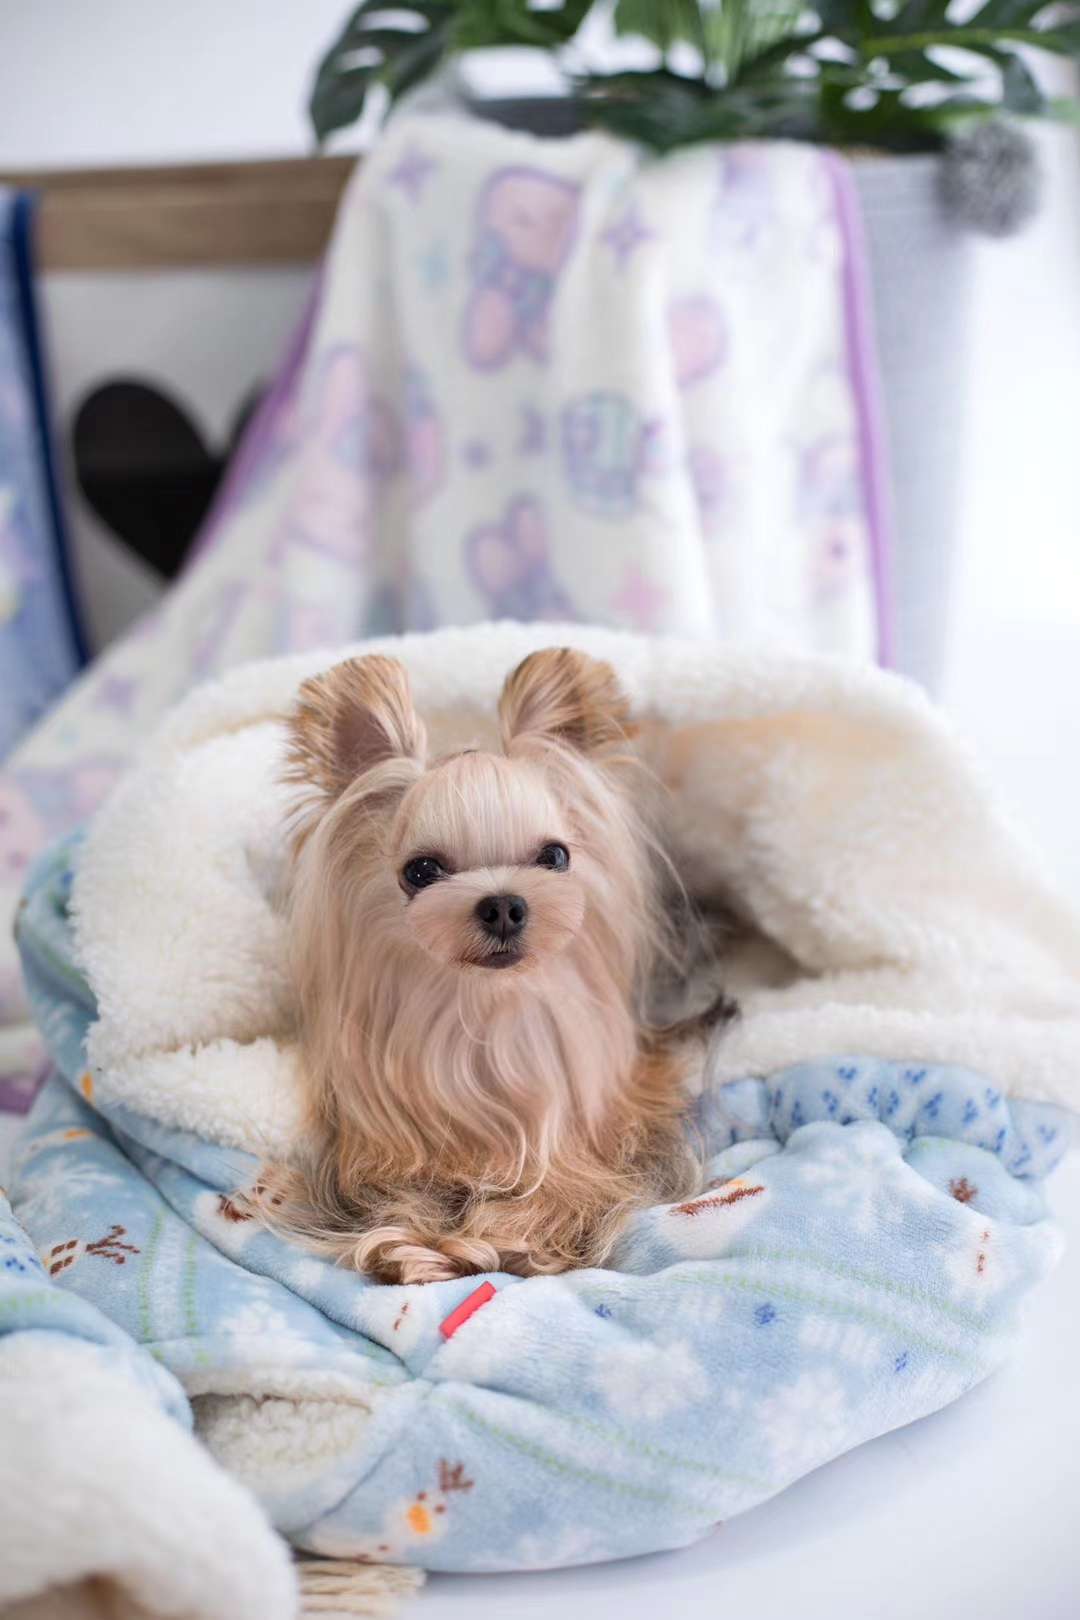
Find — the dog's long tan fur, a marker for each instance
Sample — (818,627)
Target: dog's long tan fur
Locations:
(465,1119)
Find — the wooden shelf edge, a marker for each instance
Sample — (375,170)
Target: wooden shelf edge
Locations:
(269,212)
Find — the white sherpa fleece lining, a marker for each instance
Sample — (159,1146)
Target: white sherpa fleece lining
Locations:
(100,1486)
(829,805)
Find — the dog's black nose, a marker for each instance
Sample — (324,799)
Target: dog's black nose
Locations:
(502,915)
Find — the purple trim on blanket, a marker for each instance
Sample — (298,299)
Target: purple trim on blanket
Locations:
(862,360)
(256,438)
(17,1091)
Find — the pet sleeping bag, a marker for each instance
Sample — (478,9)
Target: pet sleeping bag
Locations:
(878,1124)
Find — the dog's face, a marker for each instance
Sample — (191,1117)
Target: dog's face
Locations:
(490,865)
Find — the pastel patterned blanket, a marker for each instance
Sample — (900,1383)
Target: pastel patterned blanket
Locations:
(542,380)
(867,1232)
(877,1125)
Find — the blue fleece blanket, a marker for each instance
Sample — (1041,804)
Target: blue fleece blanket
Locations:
(41,645)
(855,1261)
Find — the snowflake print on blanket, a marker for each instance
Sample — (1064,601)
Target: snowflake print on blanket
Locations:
(849,1341)
(804,1422)
(856,1172)
(258,1321)
(49,1192)
(648,1381)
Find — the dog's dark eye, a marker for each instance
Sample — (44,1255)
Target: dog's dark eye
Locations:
(422,871)
(556,857)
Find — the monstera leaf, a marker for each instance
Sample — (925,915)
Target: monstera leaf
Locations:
(846,72)
(394,47)
(725,35)
(852,72)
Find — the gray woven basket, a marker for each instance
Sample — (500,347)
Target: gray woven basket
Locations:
(921,267)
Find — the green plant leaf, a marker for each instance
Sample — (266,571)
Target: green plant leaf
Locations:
(408,67)
(915,67)
(739,31)
(337,99)
(659,109)
(478,24)
(916,15)
(845,17)
(766,62)
(1063,41)
(1015,13)
(396,55)
(663,22)
(485,24)
(549,27)
(482,24)
(412,16)
(1061,38)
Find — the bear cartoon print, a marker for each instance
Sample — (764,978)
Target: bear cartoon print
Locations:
(510,565)
(526,222)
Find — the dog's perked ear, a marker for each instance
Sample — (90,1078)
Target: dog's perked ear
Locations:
(358,715)
(565,695)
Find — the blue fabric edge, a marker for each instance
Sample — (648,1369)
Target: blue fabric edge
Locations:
(25,204)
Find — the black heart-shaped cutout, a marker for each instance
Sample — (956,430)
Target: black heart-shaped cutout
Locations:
(144,469)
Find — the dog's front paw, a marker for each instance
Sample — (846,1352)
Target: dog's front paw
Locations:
(409,1237)
(398,1259)
(428,1265)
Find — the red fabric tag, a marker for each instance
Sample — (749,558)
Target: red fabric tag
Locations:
(478,1297)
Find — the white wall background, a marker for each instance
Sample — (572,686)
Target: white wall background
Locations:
(137,81)
(148,81)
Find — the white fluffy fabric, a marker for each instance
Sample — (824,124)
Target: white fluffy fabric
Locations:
(112,1509)
(830,806)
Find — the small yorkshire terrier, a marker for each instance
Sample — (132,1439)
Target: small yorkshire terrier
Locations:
(471,940)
